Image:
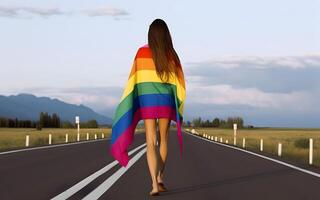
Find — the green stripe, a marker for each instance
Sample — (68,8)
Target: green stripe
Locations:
(141,89)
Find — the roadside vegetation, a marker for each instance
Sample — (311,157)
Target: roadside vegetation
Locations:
(295,142)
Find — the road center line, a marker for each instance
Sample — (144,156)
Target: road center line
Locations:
(102,188)
(261,156)
(74,189)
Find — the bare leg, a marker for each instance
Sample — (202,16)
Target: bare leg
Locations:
(163,129)
(152,152)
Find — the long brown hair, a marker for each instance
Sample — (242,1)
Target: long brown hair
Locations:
(164,56)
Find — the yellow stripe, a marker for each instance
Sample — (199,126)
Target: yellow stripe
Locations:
(181,108)
(151,76)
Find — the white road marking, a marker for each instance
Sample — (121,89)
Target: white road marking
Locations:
(261,156)
(74,189)
(101,189)
(51,146)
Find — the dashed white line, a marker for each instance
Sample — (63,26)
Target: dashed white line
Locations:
(74,189)
(101,189)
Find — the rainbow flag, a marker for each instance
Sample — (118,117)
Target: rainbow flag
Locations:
(145,96)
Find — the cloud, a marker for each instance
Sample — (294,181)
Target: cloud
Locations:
(28,12)
(294,62)
(8,11)
(228,95)
(267,91)
(107,11)
(277,75)
(45,12)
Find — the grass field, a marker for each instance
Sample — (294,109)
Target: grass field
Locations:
(295,142)
(15,138)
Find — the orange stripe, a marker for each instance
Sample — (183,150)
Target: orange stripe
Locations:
(142,64)
(144,61)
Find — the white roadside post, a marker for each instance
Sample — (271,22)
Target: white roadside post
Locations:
(227,141)
(235,134)
(27,140)
(95,136)
(102,135)
(221,139)
(67,138)
(261,144)
(279,149)
(244,143)
(50,139)
(216,138)
(310,151)
(78,127)
(87,136)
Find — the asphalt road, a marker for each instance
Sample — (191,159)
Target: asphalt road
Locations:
(205,171)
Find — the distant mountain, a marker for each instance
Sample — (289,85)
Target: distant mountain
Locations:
(28,106)
(107,111)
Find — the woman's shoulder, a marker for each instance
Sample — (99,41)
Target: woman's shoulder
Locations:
(144,47)
(144,52)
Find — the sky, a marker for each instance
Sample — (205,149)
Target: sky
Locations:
(255,59)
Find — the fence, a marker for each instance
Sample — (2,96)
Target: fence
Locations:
(50,138)
(258,145)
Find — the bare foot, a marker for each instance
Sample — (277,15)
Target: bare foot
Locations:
(160,178)
(160,183)
(155,190)
(162,188)
(152,193)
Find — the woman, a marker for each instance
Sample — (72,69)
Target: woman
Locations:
(155,90)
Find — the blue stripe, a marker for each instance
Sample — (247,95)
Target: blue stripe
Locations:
(145,100)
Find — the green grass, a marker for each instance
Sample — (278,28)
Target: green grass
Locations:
(295,142)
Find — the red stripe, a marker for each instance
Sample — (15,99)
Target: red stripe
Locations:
(144,52)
